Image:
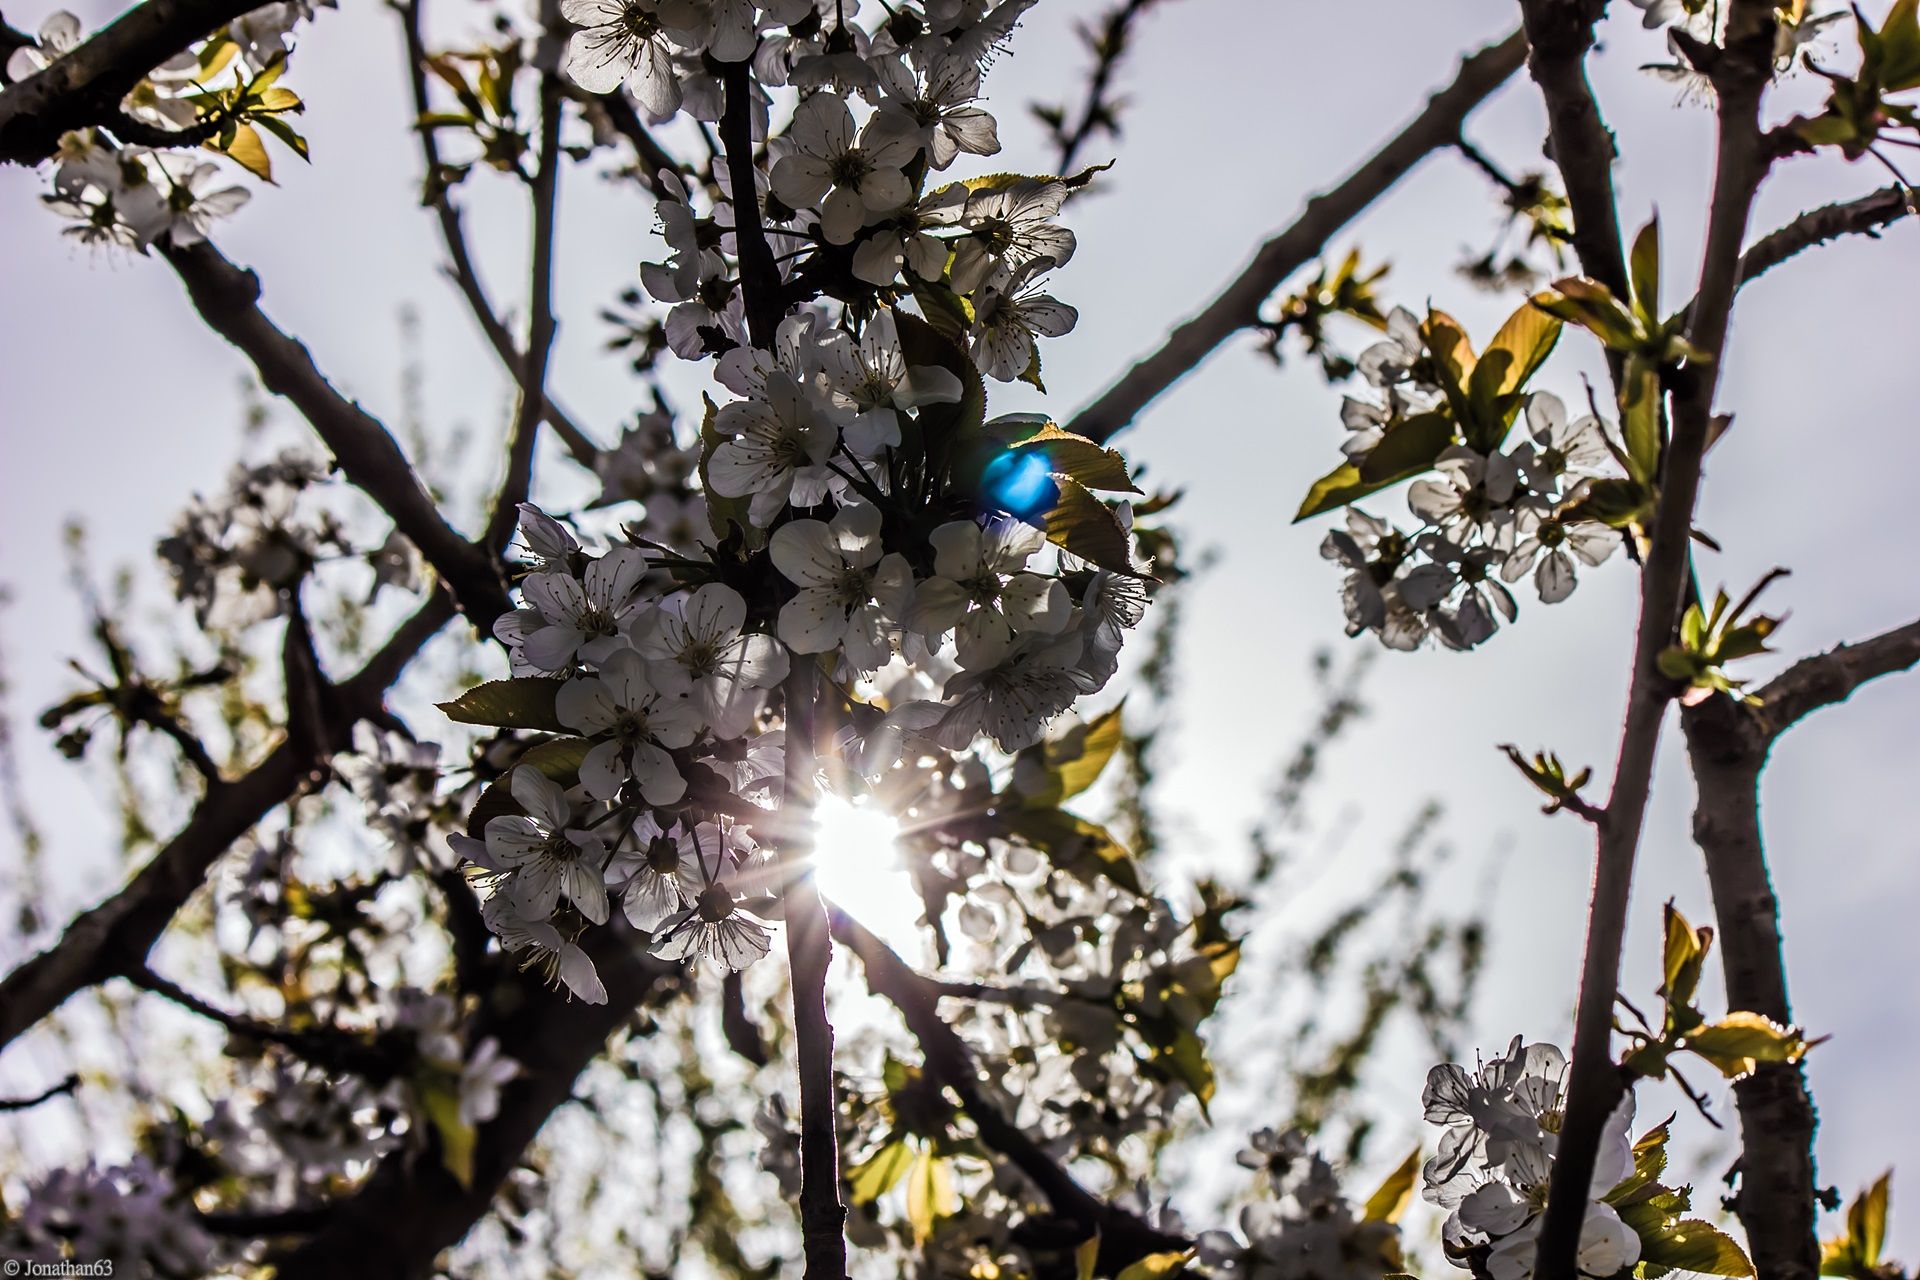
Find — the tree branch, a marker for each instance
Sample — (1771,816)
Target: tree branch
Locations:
(1238,305)
(518,481)
(113,938)
(1595,1084)
(453,233)
(649,156)
(227,298)
(378,1059)
(1727,744)
(1124,1238)
(1559,33)
(396,1224)
(1864,216)
(823,1215)
(1098,111)
(85,87)
(1831,677)
(48,1094)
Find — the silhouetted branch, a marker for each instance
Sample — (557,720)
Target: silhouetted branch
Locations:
(518,481)
(113,938)
(1238,305)
(1124,1238)
(453,233)
(227,298)
(1595,1083)
(330,1048)
(48,1094)
(394,1226)
(85,87)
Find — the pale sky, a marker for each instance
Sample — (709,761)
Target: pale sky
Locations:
(119,404)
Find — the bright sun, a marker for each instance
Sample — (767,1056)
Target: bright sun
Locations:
(858,869)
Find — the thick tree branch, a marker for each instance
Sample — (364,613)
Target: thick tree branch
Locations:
(114,938)
(1238,305)
(1595,1084)
(1124,1238)
(86,86)
(1727,744)
(1831,677)
(395,1226)
(227,298)
(461,267)
(1559,34)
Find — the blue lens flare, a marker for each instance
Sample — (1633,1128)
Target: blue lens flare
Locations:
(1020,482)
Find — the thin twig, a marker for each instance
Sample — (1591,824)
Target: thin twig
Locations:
(461,269)
(1595,1084)
(48,1094)
(1098,111)
(331,1048)
(1237,306)
(518,482)
(1124,1238)
(108,940)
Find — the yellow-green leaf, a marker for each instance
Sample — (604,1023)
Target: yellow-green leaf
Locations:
(1091,464)
(440,1099)
(1157,1266)
(877,1174)
(1082,524)
(1741,1040)
(559,760)
(1075,845)
(247,150)
(930,1194)
(1390,1199)
(1085,1255)
(1857,1253)
(1692,1245)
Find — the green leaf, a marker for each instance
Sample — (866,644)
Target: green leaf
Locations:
(1090,463)
(879,1172)
(286,133)
(559,760)
(1390,1199)
(1649,1162)
(1857,1253)
(1075,845)
(930,1194)
(945,428)
(1740,1041)
(1692,1245)
(723,514)
(1082,524)
(1640,421)
(1085,1255)
(1515,353)
(1900,48)
(1685,953)
(526,702)
(440,1099)
(1186,1057)
(246,149)
(1031,374)
(1074,760)
(1643,267)
(1406,451)
(1157,1266)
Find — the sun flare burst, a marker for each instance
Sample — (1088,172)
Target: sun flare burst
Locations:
(857,865)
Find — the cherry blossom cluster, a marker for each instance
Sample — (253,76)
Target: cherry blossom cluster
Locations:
(1489,517)
(1301,1227)
(134,1214)
(123,196)
(1500,1127)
